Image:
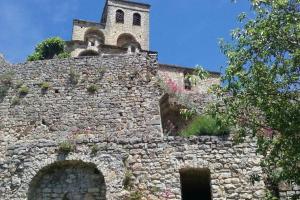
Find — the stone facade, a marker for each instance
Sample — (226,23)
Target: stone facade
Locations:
(154,164)
(115,130)
(111,32)
(125,104)
(91,128)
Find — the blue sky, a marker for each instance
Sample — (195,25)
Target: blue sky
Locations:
(184,32)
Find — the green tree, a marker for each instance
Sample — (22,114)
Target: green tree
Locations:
(259,94)
(49,48)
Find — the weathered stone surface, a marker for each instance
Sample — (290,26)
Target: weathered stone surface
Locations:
(159,170)
(117,130)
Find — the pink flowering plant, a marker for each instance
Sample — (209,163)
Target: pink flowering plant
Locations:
(176,91)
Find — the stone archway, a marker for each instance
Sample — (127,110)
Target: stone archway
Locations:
(126,40)
(94,37)
(72,180)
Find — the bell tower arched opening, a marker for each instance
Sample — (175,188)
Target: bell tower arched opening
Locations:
(94,37)
(127,40)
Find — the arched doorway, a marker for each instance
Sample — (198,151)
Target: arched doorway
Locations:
(68,180)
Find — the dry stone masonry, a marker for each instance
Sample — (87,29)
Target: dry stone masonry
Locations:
(82,181)
(113,132)
(91,127)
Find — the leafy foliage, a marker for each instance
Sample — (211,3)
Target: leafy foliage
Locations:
(92,89)
(260,90)
(64,55)
(127,182)
(49,48)
(15,101)
(45,86)
(94,150)
(187,113)
(136,195)
(199,74)
(204,125)
(66,147)
(6,80)
(23,90)
(74,77)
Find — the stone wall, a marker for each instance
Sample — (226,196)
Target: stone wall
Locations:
(124,105)
(289,191)
(154,165)
(115,131)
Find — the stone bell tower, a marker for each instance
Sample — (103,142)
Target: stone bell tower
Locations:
(124,24)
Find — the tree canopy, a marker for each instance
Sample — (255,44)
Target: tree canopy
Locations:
(49,48)
(260,88)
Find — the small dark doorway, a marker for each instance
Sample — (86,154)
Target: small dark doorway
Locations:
(195,184)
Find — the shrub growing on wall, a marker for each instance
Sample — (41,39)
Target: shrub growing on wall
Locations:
(49,48)
(45,86)
(66,147)
(204,125)
(5,84)
(92,89)
(23,90)
(74,77)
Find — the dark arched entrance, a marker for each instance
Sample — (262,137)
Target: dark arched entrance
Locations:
(68,180)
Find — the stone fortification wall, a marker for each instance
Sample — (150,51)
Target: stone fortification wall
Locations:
(124,105)
(154,167)
(116,132)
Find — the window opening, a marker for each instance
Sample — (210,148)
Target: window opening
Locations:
(136,19)
(119,16)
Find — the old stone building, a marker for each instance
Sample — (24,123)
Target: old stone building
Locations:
(123,24)
(92,127)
